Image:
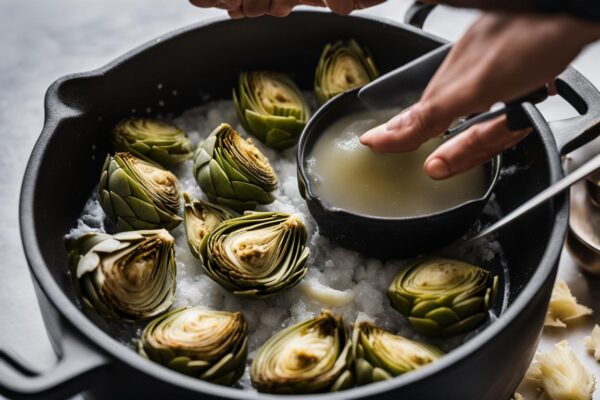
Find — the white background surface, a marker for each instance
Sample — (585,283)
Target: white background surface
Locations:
(45,39)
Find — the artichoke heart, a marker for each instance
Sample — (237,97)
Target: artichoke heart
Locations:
(380,355)
(443,297)
(129,275)
(138,194)
(152,140)
(200,218)
(209,345)
(310,357)
(343,65)
(232,171)
(271,107)
(256,255)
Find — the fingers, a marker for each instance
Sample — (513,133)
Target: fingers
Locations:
(406,131)
(472,148)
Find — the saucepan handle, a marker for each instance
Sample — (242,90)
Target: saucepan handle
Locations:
(572,133)
(79,365)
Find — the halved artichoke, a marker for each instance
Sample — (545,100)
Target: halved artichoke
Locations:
(309,357)
(343,65)
(152,140)
(271,107)
(138,194)
(443,297)
(209,345)
(232,171)
(380,355)
(256,255)
(200,218)
(129,275)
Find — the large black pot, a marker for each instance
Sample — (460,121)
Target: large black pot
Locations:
(206,58)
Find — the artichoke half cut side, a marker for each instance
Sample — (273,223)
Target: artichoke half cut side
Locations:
(381,355)
(129,275)
(208,345)
(138,194)
(443,297)
(310,357)
(200,218)
(271,107)
(152,140)
(343,65)
(256,255)
(232,171)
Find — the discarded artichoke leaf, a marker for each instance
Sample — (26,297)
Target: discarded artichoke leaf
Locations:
(326,295)
(592,343)
(380,355)
(200,218)
(563,306)
(310,357)
(152,140)
(232,171)
(138,194)
(343,65)
(129,275)
(209,345)
(561,375)
(256,255)
(443,297)
(271,107)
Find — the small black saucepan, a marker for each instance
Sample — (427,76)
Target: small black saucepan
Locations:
(398,237)
(63,171)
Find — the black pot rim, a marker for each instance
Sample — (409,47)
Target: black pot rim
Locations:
(308,131)
(55,111)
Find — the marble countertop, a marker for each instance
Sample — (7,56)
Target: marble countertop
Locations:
(43,40)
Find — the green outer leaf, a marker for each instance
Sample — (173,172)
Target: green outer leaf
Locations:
(278,127)
(439,309)
(337,373)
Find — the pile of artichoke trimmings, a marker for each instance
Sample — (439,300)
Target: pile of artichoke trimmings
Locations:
(131,275)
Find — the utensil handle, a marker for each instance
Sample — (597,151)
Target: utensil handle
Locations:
(543,196)
(78,367)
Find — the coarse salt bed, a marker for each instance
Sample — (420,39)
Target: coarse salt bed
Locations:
(338,279)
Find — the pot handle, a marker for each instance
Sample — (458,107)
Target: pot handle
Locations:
(417,13)
(78,367)
(572,133)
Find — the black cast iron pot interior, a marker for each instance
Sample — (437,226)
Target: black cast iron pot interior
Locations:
(176,72)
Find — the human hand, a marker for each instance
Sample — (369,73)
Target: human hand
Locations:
(500,58)
(281,8)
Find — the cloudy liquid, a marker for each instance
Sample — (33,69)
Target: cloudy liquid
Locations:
(349,175)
